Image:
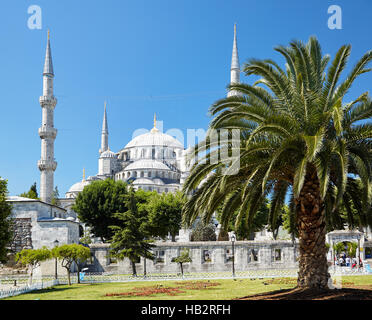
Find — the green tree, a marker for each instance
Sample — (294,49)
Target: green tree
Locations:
(351,249)
(339,247)
(203,232)
(98,202)
(85,239)
(32,193)
(130,239)
(294,136)
(6,233)
(245,231)
(69,254)
(184,257)
(165,214)
(32,258)
(55,197)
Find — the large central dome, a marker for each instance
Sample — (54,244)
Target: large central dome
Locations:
(154,138)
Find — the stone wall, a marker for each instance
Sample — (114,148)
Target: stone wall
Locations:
(39,224)
(21,228)
(248,255)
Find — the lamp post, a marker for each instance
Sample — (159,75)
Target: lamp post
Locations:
(56,242)
(233,238)
(144,268)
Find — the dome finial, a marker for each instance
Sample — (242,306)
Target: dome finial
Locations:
(83,174)
(154,129)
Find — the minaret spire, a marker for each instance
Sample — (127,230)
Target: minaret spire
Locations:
(48,64)
(235,66)
(47,165)
(104,135)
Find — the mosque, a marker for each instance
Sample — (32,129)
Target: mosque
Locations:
(153,161)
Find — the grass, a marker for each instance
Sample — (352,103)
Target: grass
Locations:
(172,290)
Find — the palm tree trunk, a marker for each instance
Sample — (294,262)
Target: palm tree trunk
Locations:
(313,268)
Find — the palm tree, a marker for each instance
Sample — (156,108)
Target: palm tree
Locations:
(297,140)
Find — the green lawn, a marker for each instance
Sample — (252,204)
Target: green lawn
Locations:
(209,290)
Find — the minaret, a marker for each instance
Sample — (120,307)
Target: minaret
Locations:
(235,67)
(104,135)
(47,132)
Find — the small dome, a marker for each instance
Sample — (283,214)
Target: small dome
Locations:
(142,181)
(108,154)
(158,181)
(79,186)
(146,164)
(154,138)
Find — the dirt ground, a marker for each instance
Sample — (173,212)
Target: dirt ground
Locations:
(346,293)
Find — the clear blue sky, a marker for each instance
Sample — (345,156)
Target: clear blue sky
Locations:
(170,57)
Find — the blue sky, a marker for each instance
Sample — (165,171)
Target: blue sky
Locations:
(171,57)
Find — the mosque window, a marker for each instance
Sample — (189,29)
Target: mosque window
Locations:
(207,256)
(159,256)
(228,255)
(253,255)
(149,174)
(277,255)
(142,174)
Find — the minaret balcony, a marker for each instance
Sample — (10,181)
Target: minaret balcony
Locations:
(47,132)
(48,101)
(47,165)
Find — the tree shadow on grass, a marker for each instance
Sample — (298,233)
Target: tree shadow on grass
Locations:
(309,294)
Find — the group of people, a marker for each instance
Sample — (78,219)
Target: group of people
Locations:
(346,261)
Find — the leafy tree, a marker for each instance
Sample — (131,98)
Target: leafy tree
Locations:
(55,197)
(203,232)
(245,231)
(351,249)
(184,257)
(130,239)
(339,247)
(69,254)
(296,138)
(32,193)
(98,202)
(6,234)
(32,258)
(165,214)
(85,239)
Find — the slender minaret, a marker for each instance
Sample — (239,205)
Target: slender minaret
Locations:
(47,132)
(235,67)
(104,135)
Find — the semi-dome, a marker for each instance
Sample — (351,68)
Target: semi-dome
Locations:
(146,164)
(154,138)
(158,181)
(79,186)
(143,181)
(108,154)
